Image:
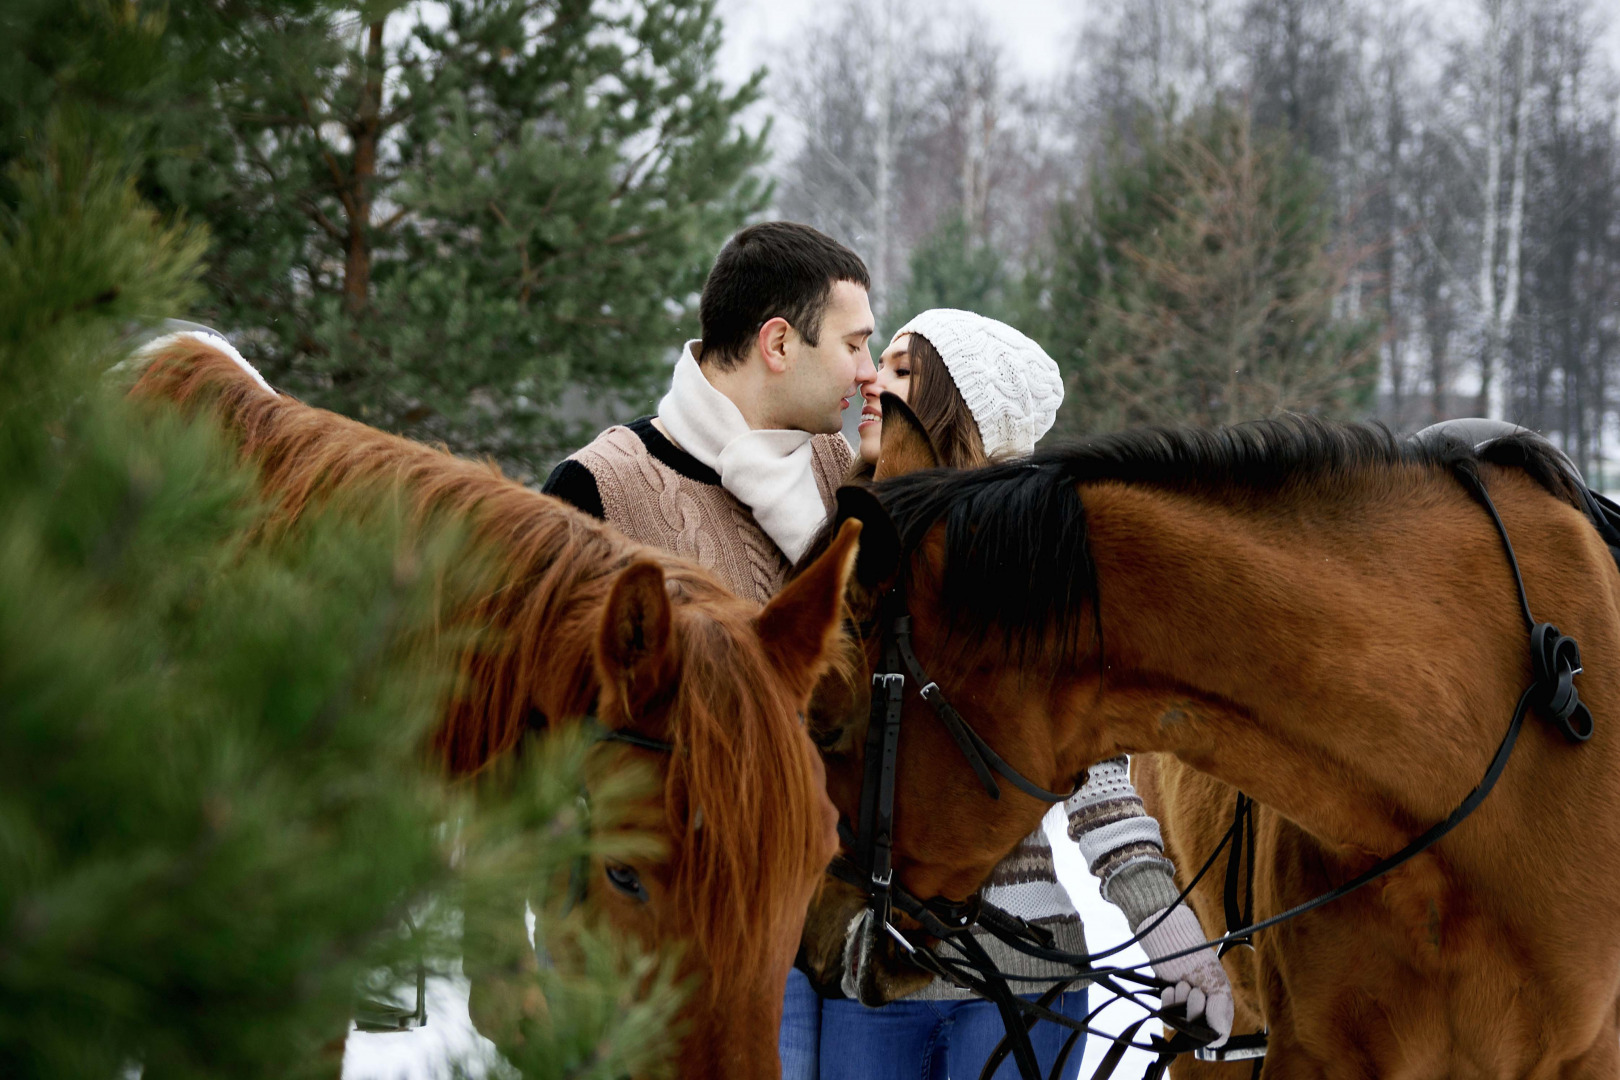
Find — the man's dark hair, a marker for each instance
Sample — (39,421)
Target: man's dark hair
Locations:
(775,268)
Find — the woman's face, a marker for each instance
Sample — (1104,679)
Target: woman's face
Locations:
(894,377)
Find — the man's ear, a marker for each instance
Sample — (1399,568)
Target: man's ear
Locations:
(906,446)
(879,558)
(772,341)
(634,657)
(798,626)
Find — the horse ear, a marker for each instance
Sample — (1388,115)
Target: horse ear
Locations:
(879,558)
(906,445)
(633,652)
(799,624)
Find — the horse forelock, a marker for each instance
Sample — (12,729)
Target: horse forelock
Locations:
(1015,560)
(741,756)
(741,794)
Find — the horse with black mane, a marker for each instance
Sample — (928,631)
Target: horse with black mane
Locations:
(707,688)
(1314,614)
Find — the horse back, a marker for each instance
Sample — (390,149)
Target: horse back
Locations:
(1540,860)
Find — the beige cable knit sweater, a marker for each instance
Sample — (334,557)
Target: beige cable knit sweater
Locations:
(637,480)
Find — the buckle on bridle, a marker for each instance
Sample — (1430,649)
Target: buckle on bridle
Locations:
(955,914)
(901,938)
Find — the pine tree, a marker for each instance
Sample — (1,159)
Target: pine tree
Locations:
(485,228)
(1196,284)
(198,740)
(951,268)
(216,823)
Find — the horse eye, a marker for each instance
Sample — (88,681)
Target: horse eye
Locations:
(827,738)
(627,881)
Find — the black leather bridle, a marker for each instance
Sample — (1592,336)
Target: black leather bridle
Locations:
(1555,661)
(874,838)
(952,921)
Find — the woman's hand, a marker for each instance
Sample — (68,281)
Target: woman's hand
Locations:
(1196,980)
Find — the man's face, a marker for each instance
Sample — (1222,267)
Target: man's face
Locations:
(823,379)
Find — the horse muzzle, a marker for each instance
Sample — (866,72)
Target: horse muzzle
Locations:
(875,968)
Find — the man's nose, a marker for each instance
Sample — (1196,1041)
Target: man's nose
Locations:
(866,371)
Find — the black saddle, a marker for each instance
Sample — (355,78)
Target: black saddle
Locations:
(1479,433)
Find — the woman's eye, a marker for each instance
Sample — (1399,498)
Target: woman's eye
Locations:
(627,881)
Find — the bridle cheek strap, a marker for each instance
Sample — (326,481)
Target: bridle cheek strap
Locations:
(874,845)
(874,837)
(979,754)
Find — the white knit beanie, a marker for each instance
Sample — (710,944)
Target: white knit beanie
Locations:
(1009,383)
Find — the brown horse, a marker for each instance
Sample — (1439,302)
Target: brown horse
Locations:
(588,621)
(1324,619)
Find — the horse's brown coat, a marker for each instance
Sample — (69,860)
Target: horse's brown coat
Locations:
(586,617)
(1348,650)
(1377,707)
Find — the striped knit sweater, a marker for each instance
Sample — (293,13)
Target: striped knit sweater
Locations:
(1122,846)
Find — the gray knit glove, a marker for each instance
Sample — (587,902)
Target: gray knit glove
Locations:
(1197,980)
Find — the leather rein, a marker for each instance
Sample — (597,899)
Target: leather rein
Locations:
(1555,661)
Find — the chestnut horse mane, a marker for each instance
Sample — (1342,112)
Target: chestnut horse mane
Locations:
(1017,551)
(748,768)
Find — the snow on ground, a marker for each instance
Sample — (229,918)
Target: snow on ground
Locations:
(429,1052)
(426,1053)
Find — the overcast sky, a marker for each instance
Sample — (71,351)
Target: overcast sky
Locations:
(1039,33)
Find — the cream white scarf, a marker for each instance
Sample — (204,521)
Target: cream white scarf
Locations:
(769,471)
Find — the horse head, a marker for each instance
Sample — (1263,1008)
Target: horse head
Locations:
(742,817)
(949,851)
(1322,617)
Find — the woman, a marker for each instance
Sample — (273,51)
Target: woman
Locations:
(985,392)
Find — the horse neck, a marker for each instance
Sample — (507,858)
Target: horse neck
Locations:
(1349,658)
(308,457)
(538,667)
(541,661)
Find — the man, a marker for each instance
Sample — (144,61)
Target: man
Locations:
(737,470)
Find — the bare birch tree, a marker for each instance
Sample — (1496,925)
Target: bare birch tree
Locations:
(1505,21)
(909,130)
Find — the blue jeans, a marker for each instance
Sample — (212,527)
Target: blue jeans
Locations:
(933,1040)
(800,1040)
